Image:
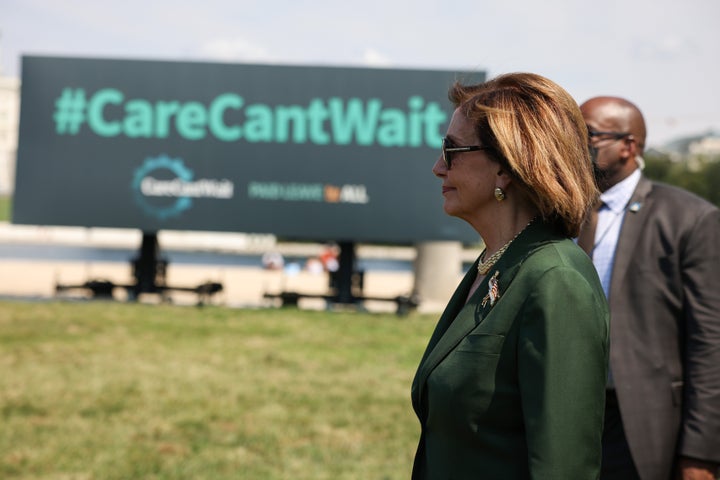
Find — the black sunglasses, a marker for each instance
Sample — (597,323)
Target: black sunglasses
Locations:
(448,147)
(600,136)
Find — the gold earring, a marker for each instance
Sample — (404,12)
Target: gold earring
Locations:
(499,194)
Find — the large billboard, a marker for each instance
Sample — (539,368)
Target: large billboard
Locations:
(301,152)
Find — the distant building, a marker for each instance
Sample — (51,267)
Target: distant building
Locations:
(707,145)
(9,122)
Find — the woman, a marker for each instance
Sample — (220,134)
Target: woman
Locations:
(512,384)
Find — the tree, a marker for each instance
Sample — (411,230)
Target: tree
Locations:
(699,174)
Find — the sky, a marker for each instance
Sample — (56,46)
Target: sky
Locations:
(663,55)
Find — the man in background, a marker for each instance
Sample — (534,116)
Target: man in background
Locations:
(657,252)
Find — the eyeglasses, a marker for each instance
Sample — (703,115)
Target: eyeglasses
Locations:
(448,147)
(601,136)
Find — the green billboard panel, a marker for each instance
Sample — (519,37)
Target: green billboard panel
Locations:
(301,152)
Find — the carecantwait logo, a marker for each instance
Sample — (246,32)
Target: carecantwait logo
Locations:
(164,187)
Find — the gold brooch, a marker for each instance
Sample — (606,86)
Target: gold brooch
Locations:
(493,290)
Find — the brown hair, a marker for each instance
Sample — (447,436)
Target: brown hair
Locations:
(535,130)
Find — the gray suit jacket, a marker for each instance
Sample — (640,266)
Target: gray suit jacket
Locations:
(665,328)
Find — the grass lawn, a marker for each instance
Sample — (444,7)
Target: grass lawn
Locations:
(5,208)
(108,391)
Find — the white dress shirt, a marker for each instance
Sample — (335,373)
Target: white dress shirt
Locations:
(610,218)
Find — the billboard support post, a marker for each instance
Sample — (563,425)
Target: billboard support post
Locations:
(149,271)
(346,285)
(345,272)
(149,267)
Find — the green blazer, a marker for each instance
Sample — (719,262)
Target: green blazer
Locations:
(515,388)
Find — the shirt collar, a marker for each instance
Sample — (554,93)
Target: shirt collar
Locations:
(618,196)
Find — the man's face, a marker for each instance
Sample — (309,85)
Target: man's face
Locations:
(609,141)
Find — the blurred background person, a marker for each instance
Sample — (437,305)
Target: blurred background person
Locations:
(329,257)
(512,383)
(273,260)
(657,252)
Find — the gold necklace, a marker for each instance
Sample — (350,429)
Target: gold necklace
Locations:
(484,266)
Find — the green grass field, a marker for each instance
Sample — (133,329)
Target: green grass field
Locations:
(107,391)
(5,207)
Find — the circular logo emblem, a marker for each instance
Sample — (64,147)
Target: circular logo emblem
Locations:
(162,165)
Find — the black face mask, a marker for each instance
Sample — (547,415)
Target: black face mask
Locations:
(593,154)
(599,174)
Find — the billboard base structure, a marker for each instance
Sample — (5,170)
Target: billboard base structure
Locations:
(149,271)
(346,286)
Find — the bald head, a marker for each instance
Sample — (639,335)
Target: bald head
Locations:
(625,115)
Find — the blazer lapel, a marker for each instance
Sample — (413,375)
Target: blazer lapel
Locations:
(468,318)
(447,319)
(461,318)
(633,224)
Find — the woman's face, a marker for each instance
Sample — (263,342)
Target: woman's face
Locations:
(468,186)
